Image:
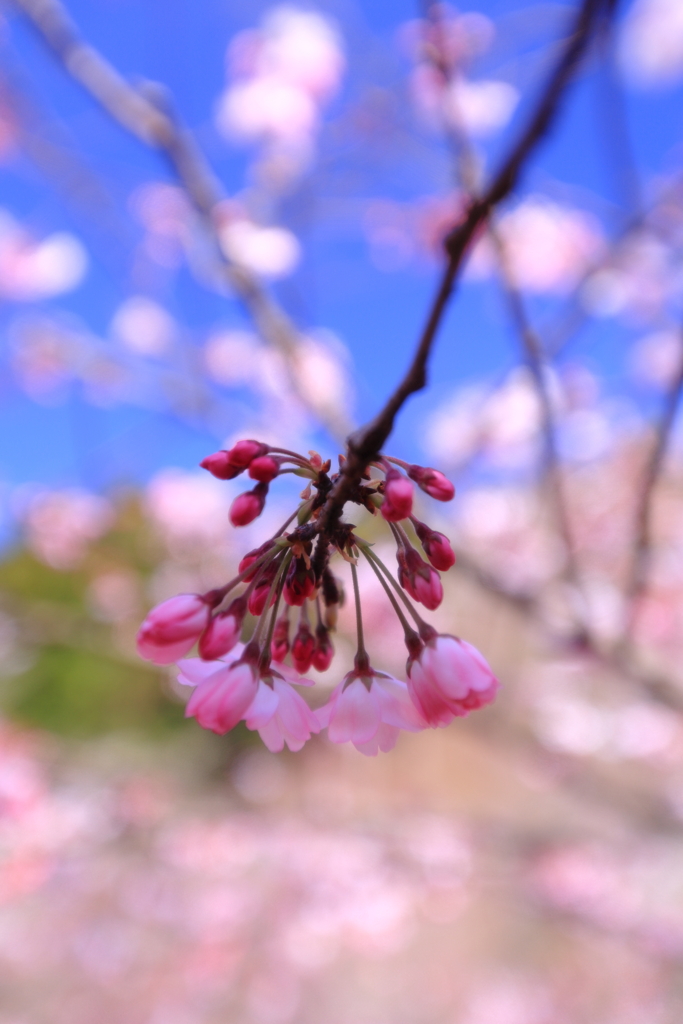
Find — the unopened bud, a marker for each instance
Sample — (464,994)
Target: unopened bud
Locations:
(398,497)
(300,583)
(436,545)
(419,579)
(242,453)
(433,482)
(223,632)
(302,648)
(264,468)
(279,645)
(323,653)
(220,466)
(248,506)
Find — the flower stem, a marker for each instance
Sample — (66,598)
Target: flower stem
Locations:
(410,635)
(264,660)
(399,590)
(276,582)
(362,660)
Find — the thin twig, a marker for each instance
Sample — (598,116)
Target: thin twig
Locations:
(366,443)
(146,114)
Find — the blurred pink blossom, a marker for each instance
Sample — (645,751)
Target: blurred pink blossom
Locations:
(548,247)
(651,43)
(60,525)
(282,74)
(30,270)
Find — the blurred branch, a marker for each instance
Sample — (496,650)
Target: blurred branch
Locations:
(642,540)
(146,114)
(467,178)
(365,443)
(657,686)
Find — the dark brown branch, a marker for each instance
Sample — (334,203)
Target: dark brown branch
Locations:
(146,114)
(365,444)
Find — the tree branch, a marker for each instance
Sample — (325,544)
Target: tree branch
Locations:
(642,534)
(365,444)
(146,114)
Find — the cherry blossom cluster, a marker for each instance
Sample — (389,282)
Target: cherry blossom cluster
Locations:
(254,681)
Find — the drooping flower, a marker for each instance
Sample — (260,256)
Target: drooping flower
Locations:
(223,691)
(280,715)
(236,688)
(171,629)
(448,679)
(369,711)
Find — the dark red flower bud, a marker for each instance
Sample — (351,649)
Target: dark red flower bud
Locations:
(398,497)
(264,468)
(259,596)
(302,648)
(434,483)
(248,506)
(300,583)
(323,652)
(279,645)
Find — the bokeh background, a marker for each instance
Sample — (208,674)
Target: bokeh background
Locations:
(524,866)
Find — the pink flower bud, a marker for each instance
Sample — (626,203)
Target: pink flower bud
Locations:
(300,583)
(220,466)
(437,546)
(323,652)
(433,482)
(439,551)
(242,453)
(170,629)
(222,632)
(419,579)
(398,497)
(279,645)
(248,506)
(449,679)
(302,649)
(265,468)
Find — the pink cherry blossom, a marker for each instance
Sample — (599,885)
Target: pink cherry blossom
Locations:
(280,715)
(223,691)
(370,717)
(220,466)
(170,629)
(449,679)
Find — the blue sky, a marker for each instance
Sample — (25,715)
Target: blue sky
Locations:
(378,314)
